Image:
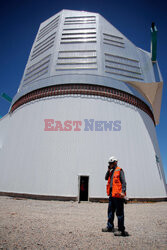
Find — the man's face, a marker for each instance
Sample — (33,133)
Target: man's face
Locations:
(115,163)
(112,165)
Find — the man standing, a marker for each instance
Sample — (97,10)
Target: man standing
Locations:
(116,190)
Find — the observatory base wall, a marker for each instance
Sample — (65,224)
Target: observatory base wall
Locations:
(39,156)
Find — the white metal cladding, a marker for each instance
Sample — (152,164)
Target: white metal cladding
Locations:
(49,162)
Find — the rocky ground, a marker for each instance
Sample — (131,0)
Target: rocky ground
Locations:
(35,224)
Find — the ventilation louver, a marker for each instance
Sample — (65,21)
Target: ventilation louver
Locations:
(122,66)
(74,60)
(37,70)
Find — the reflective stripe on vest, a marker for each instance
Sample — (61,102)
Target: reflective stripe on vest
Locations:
(116,184)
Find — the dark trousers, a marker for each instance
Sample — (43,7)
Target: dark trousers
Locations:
(116,205)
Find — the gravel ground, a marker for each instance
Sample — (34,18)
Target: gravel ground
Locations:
(35,224)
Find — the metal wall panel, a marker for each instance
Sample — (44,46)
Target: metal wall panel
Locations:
(49,162)
(93,33)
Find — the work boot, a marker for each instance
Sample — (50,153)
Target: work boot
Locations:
(121,233)
(106,229)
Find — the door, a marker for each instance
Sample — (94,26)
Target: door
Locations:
(83,188)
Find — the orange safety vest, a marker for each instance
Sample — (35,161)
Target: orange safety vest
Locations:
(116,185)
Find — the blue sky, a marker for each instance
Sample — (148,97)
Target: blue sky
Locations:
(20,20)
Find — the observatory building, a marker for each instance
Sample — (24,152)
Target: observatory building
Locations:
(87,93)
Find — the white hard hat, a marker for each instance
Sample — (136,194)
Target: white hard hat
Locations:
(112,159)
